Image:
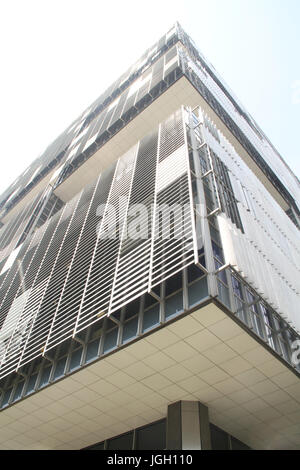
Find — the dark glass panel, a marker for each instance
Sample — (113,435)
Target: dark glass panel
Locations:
(60,367)
(92,350)
(152,437)
(130,329)
(238,445)
(110,340)
(219,438)
(151,317)
(123,442)
(75,359)
(194,273)
(174,283)
(174,305)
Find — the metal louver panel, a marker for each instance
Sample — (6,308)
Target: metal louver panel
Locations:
(11,233)
(132,274)
(22,329)
(15,280)
(10,323)
(174,236)
(84,263)
(97,292)
(38,334)
(69,302)
(23,284)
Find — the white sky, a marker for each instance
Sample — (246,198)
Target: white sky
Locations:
(57,57)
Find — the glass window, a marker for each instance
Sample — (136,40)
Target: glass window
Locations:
(6,397)
(45,376)
(149,300)
(96,329)
(250,297)
(151,317)
(218,252)
(224,294)
(92,350)
(132,308)
(237,289)
(257,323)
(64,348)
(110,341)
(31,384)
(284,348)
(197,291)
(268,325)
(238,445)
(152,437)
(194,273)
(99,446)
(123,442)
(60,367)
(219,438)
(173,284)
(214,233)
(222,276)
(173,305)
(241,311)
(75,359)
(130,329)
(18,392)
(255,314)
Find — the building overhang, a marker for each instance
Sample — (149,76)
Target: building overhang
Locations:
(182,92)
(204,356)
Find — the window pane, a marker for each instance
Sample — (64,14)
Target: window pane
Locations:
(60,367)
(151,317)
(219,438)
(152,437)
(110,340)
(174,305)
(132,309)
(75,359)
(238,445)
(6,397)
(198,291)
(194,273)
(45,376)
(92,350)
(99,446)
(18,391)
(130,329)
(123,442)
(173,284)
(149,300)
(224,294)
(31,384)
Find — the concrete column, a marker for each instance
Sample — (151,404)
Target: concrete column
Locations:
(188,426)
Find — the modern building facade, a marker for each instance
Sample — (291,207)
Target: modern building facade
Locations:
(149,274)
